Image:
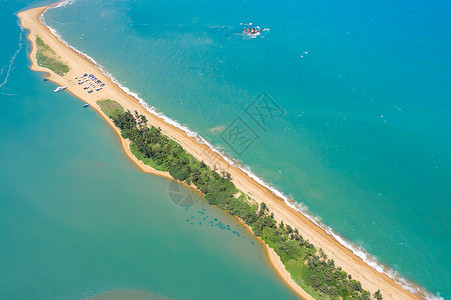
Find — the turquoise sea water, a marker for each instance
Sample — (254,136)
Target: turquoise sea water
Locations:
(78,219)
(364,142)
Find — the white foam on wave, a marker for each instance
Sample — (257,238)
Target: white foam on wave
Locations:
(300,207)
(63,3)
(13,58)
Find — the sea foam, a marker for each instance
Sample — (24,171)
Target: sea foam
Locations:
(359,251)
(13,58)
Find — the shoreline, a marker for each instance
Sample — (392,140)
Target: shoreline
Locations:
(370,278)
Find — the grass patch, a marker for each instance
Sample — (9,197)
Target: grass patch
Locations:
(111,108)
(47,58)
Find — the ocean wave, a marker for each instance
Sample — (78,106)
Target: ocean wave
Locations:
(63,3)
(13,58)
(300,207)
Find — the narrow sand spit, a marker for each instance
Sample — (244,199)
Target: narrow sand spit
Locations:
(368,276)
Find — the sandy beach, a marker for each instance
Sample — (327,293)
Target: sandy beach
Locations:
(370,279)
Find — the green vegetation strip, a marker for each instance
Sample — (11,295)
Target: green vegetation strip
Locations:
(309,267)
(47,58)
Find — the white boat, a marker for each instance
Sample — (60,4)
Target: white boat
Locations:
(59,89)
